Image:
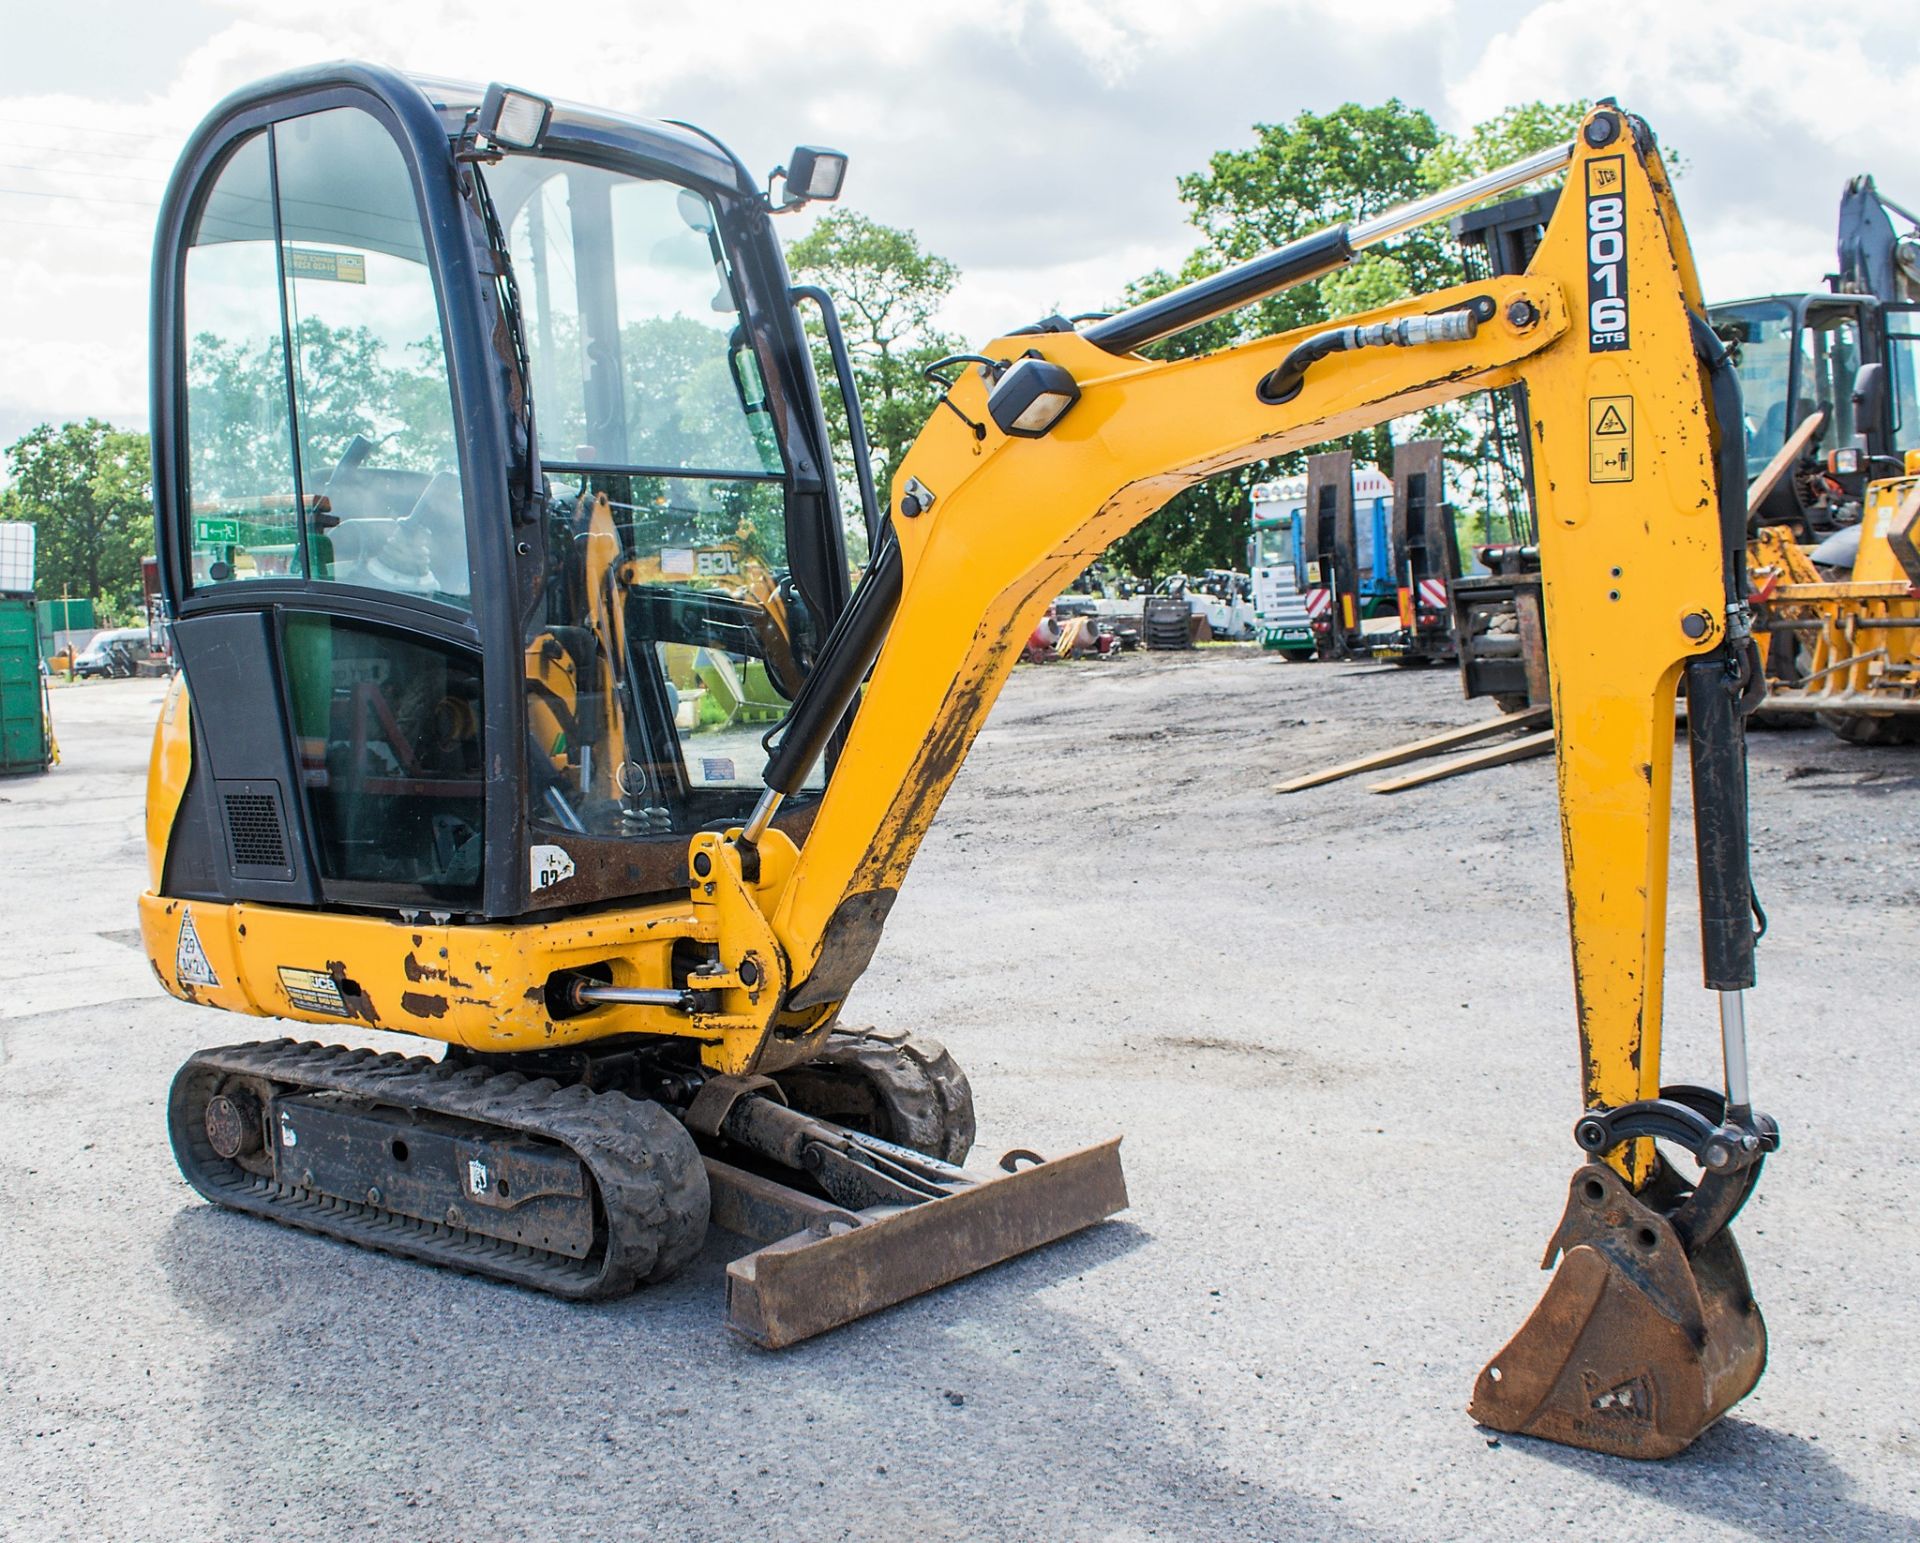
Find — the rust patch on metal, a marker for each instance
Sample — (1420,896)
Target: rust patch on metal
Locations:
(359,1004)
(424,1004)
(416,971)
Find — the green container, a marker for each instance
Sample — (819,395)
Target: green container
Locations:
(24,742)
(63,616)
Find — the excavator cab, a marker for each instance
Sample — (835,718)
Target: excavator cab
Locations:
(362,517)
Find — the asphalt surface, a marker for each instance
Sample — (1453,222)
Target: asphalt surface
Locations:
(1336,1030)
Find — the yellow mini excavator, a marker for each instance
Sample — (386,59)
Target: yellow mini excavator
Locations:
(492,480)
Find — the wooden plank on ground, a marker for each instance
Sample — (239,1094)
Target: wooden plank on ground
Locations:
(1493,755)
(1452,739)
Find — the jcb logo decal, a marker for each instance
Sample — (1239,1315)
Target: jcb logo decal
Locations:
(1607,253)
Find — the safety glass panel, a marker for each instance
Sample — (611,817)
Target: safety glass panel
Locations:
(388,726)
(240,476)
(373,409)
(671,640)
(1762,338)
(723,705)
(1903,368)
(1829,359)
(638,353)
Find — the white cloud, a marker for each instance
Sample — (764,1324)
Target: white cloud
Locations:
(1034,143)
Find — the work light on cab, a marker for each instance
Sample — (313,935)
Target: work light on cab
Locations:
(511,119)
(814,174)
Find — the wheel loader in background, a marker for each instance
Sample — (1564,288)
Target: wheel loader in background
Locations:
(1830,384)
(1832,563)
(441,759)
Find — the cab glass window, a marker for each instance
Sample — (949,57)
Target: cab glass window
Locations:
(1829,359)
(240,466)
(320,420)
(1903,370)
(388,726)
(670,637)
(636,344)
(1762,332)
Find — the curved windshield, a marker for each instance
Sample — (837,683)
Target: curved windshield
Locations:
(670,637)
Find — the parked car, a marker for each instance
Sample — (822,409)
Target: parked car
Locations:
(115,654)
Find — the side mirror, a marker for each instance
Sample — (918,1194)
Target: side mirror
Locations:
(814,174)
(1869,397)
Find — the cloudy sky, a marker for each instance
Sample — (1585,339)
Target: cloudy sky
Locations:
(1035,142)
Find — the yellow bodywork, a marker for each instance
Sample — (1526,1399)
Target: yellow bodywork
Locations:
(1623,446)
(1863,631)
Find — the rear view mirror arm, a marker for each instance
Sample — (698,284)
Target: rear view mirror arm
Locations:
(850,395)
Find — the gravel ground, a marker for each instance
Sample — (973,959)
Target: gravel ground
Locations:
(1336,1029)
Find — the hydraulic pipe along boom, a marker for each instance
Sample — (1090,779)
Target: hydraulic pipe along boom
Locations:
(1310,257)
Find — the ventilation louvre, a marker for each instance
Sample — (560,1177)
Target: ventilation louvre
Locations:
(256,830)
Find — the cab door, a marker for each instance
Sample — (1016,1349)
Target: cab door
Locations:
(317,506)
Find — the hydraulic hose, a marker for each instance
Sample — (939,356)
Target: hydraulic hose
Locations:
(1717,701)
(845,657)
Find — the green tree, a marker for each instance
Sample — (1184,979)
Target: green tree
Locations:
(888,289)
(349,383)
(1504,138)
(1316,170)
(87,487)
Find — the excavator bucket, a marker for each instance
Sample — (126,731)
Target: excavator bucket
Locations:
(1645,1336)
(824,1265)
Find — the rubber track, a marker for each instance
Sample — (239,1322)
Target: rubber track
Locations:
(652,1186)
(922,1093)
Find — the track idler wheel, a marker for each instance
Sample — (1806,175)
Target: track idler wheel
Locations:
(1648,1332)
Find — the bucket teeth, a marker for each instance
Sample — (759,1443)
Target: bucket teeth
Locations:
(1637,1345)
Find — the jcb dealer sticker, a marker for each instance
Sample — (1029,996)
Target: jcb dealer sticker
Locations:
(1610,439)
(1607,253)
(314,990)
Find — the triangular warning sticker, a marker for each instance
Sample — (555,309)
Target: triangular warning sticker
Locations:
(1610,422)
(190,964)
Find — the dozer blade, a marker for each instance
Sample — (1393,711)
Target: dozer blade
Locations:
(1637,1346)
(825,1265)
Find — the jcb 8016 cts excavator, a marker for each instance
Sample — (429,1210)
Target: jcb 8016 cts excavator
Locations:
(525,704)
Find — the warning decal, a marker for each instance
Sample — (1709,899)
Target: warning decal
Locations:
(313,990)
(190,966)
(1610,439)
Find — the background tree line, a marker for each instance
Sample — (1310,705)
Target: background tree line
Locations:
(87,488)
(1315,170)
(87,485)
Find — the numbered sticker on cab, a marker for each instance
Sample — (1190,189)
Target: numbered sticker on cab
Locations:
(1607,253)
